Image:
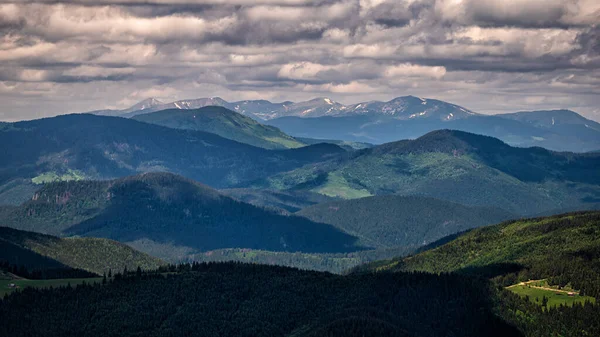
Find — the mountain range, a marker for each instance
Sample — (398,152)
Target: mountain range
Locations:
(168,216)
(456,166)
(75,147)
(225,123)
(405,117)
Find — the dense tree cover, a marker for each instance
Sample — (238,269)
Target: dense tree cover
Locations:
(460,167)
(225,123)
(43,256)
(287,201)
(563,249)
(88,146)
(255,300)
(170,210)
(45,273)
(557,321)
(393,220)
(333,262)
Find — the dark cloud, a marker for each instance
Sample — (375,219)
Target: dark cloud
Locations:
(92,54)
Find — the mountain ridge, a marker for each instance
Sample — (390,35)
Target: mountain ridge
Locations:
(223,122)
(456,166)
(164,215)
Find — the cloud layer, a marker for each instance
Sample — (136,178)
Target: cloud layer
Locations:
(490,56)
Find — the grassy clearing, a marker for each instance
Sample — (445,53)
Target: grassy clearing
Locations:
(337,186)
(289,143)
(48,177)
(536,290)
(24,283)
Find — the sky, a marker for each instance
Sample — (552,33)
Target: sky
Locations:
(490,56)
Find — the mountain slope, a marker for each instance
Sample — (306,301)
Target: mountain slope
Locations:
(168,216)
(38,252)
(73,147)
(381,128)
(459,167)
(391,220)
(256,300)
(223,122)
(564,248)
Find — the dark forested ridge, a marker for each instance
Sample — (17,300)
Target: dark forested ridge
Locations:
(48,255)
(74,147)
(169,216)
(254,300)
(225,123)
(461,167)
(392,220)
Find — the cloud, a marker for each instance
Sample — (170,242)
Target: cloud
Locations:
(491,56)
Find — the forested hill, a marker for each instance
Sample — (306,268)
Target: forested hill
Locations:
(564,248)
(257,300)
(225,123)
(393,220)
(168,216)
(461,167)
(42,253)
(73,147)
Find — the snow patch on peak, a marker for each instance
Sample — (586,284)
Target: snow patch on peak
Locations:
(328,101)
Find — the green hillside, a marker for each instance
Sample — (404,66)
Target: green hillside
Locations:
(76,147)
(225,123)
(168,216)
(254,300)
(459,167)
(36,251)
(392,220)
(564,249)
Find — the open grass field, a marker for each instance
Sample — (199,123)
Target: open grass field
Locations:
(24,283)
(536,290)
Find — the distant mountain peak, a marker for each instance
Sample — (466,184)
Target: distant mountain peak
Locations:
(146,104)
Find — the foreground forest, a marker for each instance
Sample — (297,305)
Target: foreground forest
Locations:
(228,299)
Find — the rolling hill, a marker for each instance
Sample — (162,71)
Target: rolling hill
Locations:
(36,251)
(399,221)
(563,248)
(75,147)
(456,166)
(225,123)
(548,268)
(168,216)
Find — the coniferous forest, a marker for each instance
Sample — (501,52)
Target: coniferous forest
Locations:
(232,299)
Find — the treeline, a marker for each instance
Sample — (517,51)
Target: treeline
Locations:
(334,263)
(44,274)
(232,299)
(550,321)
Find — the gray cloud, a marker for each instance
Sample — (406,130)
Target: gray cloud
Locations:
(491,56)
